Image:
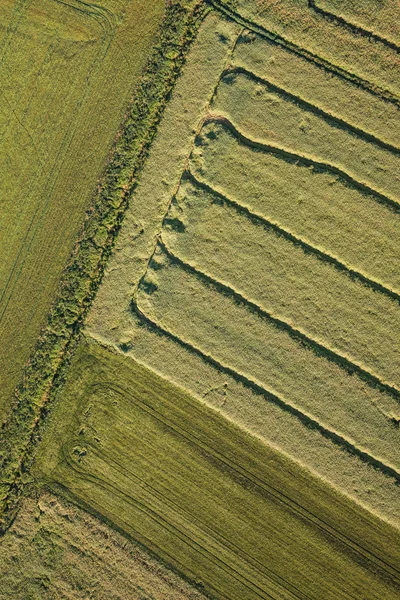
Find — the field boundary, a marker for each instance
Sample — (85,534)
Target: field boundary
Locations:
(83,273)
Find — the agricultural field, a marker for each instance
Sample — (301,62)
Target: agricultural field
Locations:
(217,391)
(231,513)
(67,76)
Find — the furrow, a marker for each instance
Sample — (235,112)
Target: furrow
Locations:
(167,525)
(312,108)
(300,159)
(304,418)
(356,29)
(317,348)
(297,241)
(195,519)
(320,62)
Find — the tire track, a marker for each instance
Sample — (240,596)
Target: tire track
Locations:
(355,29)
(298,335)
(295,240)
(266,488)
(43,207)
(161,520)
(322,63)
(256,387)
(300,159)
(312,108)
(181,511)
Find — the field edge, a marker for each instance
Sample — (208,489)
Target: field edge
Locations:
(45,371)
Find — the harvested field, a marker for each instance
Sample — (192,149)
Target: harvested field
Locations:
(210,318)
(244,283)
(296,24)
(262,113)
(223,508)
(314,206)
(234,403)
(56,550)
(322,92)
(67,75)
(296,290)
(318,223)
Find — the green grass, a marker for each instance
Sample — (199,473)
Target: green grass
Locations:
(378,16)
(56,550)
(368,62)
(221,507)
(85,268)
(68,73)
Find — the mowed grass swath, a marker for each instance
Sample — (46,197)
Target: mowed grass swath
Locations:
(68,72)
(317,223)
(297,24)
(322,90)
(223,508)
(372,16)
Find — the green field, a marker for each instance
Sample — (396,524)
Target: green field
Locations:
(223,508)
(217,390)
(67,75)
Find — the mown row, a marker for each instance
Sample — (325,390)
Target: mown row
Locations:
(297,25)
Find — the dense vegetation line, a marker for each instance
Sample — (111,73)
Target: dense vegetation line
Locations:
(295,158)
(356,29)
(319,62)
(303,417)
(312,108)
(319,349)
(83,274)
(294,239)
